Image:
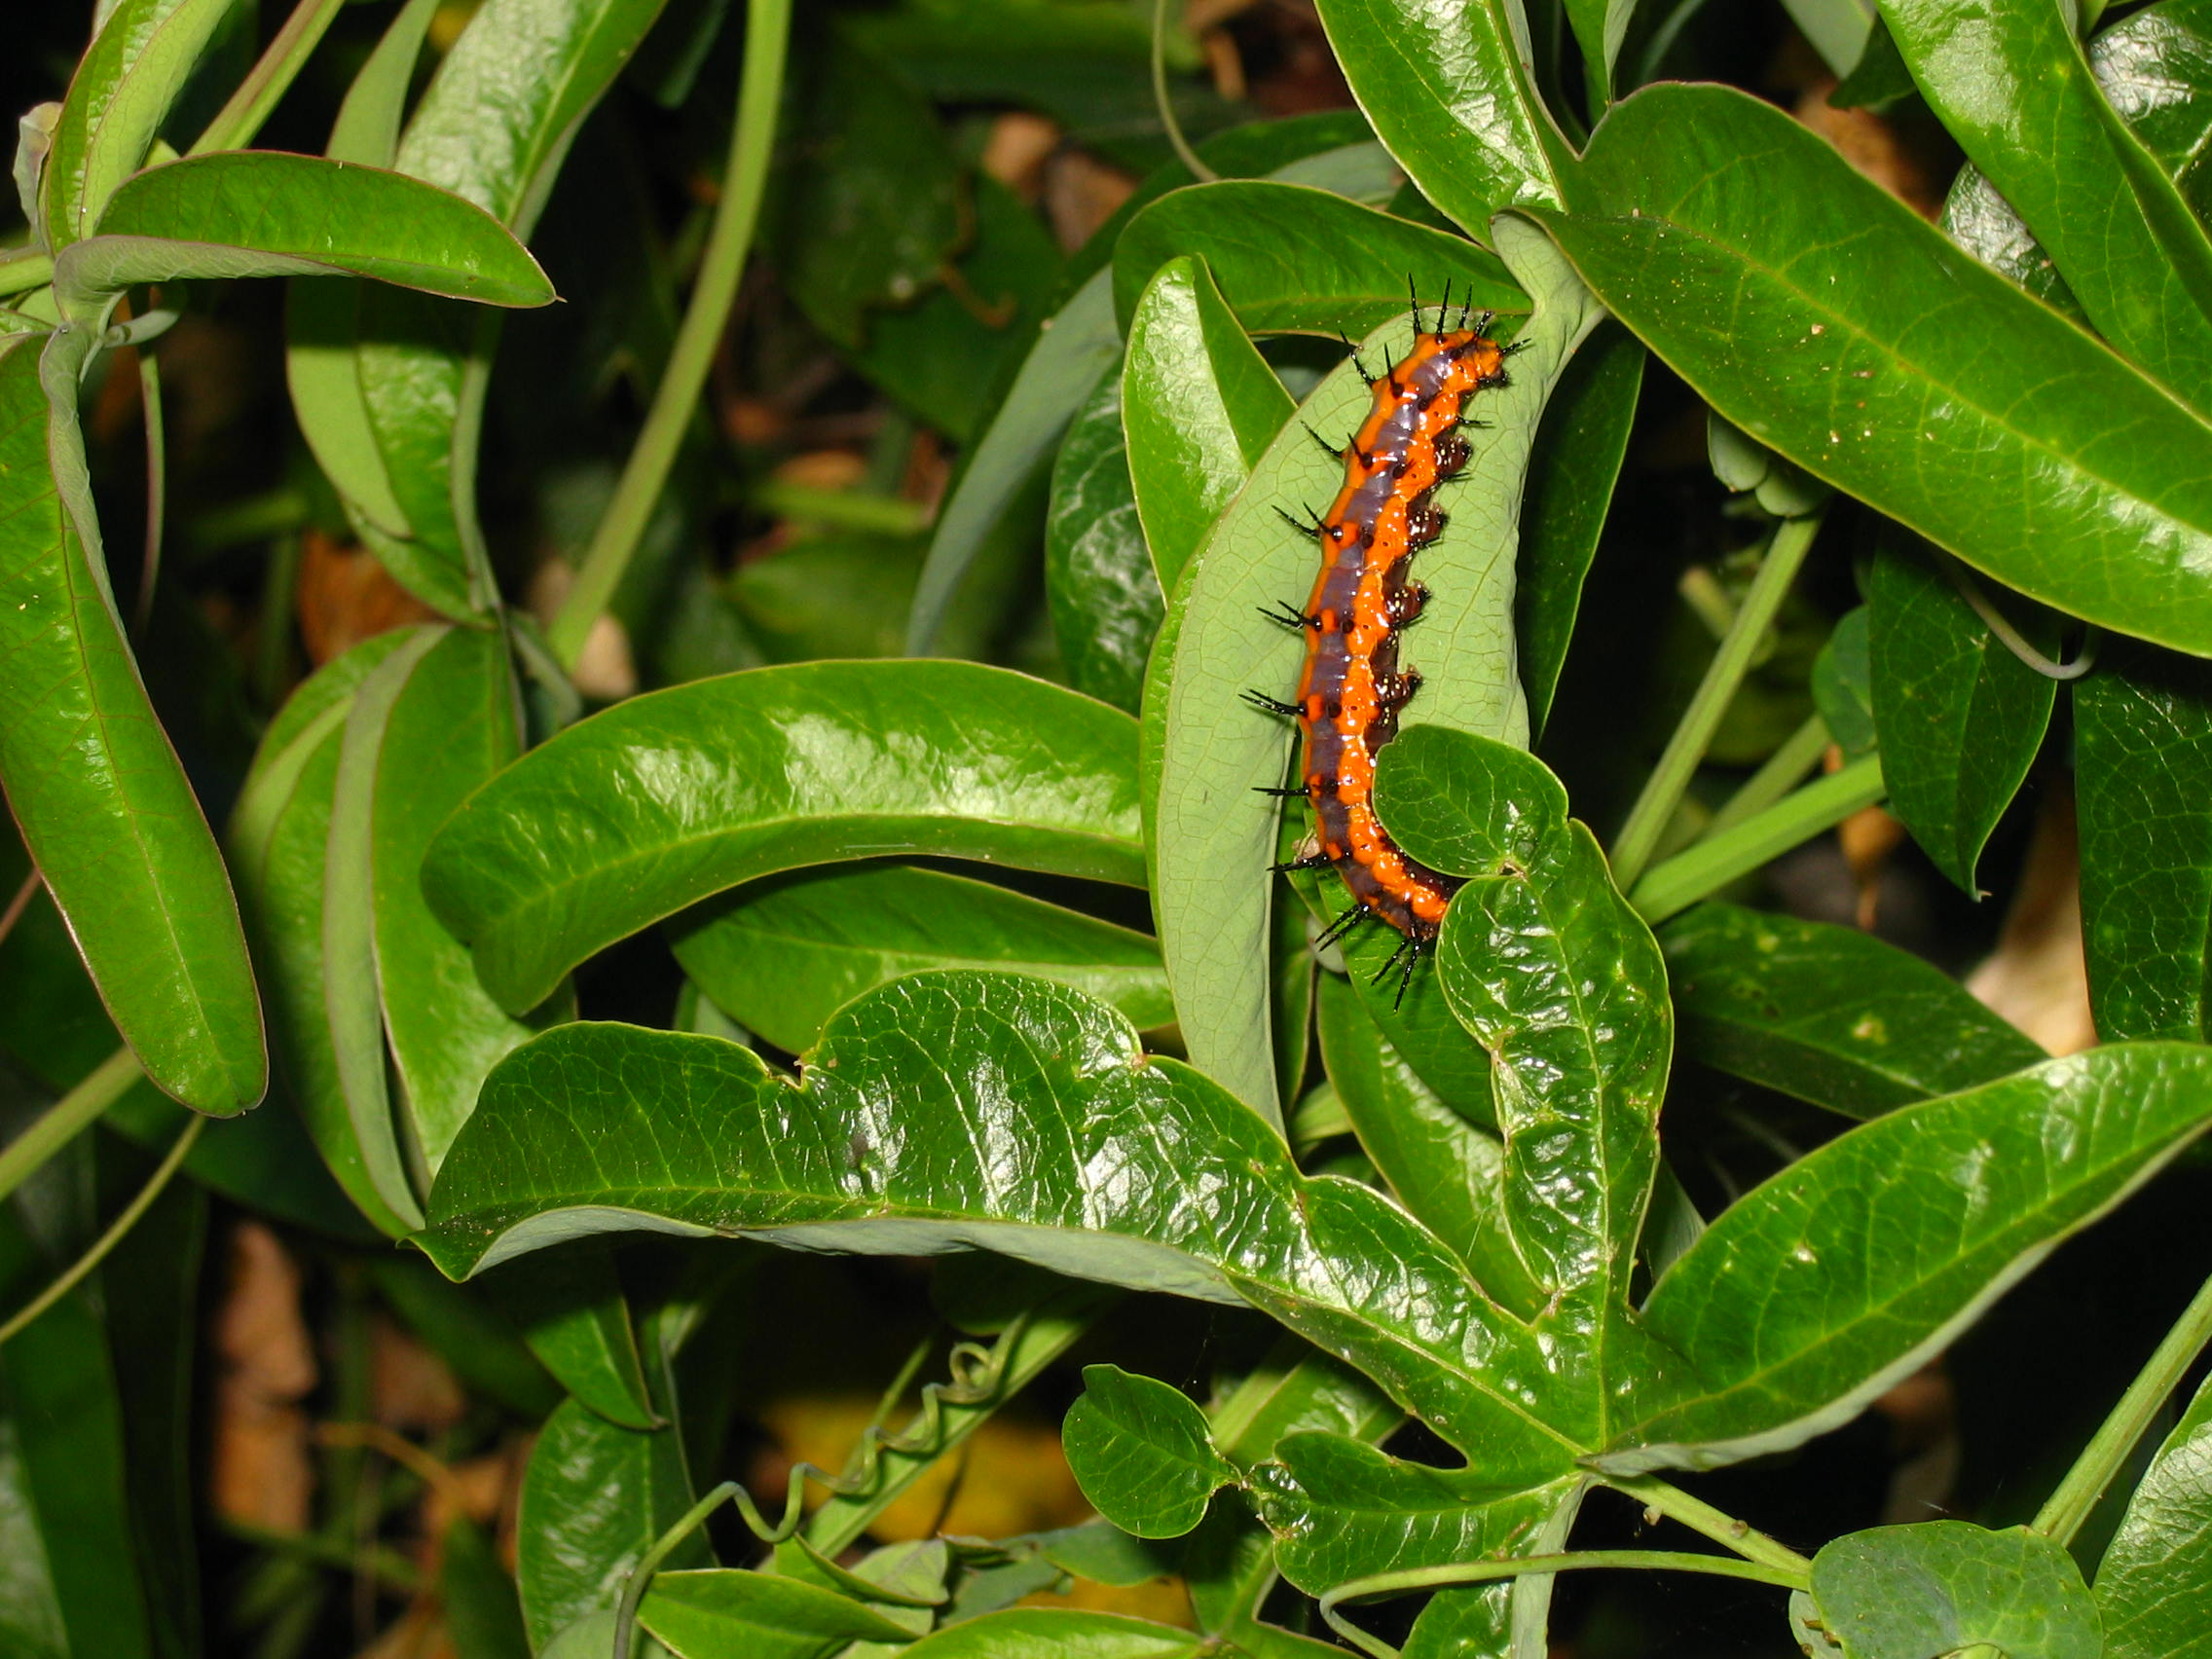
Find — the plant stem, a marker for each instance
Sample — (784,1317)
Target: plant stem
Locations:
(1718,1525)
(25,267)
(752,138)
(642,1575)
(59,1124)
(1518,1566)
(840,509)
(238,119)
(1167,105)
(114,1235)
(1782,771)
(2064,1512)
(1648,818)
(1689,876)
(390,1569)
(157,489)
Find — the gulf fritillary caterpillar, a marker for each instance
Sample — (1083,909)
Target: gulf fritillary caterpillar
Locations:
(1351,690)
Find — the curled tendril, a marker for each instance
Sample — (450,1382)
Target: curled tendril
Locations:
(975,1376)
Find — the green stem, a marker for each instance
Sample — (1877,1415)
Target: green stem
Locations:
(1689,876)
(752,144)
(2063,1515)
(840,509)
(59,1124)
(157,489)
(1654,808)
(1581,1561)
(113,1237)
(1784,769)
(1167,105)
(23,269)
(390,1569)
(642,1575)
(272,76)
(1718,1525)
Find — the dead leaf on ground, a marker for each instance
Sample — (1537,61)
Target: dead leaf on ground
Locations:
(346,597)
(260,1470)
(2037,976)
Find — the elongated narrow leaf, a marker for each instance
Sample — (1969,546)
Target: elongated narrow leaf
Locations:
(103,804)
(1290,257)
(716,783)
(1828,1014)
(257,213)
(1904,374)
(780,957)
(2127,246)
(1447,87)
(1099,583)
(1817,1290)
(1200,406)
(1211,839)
(1959,717)
(951,1111)
(2143,755)
(125,85)
(2151,1584)
(1141,1451)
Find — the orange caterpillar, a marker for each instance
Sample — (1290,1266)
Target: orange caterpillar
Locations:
(1351,690)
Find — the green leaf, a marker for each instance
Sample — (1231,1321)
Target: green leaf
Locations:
(1843,682)
(1449,1173)
(1211,841)
(483,1614)
(128,78)
(1946,1586)
(491,128)
(1104,595)
(594,1499)
(1694,211)
(780,957)
(1023,1633)
(1142,1452)
(264,214)
(278,842)
(1959,717)
(570,1307)
(723,1613)
(2012,85)
(103,804)
(464,1330)
(1573,469)
(1288,257)
(1448,89)
(1200,406)
(2151,1582)
(1821,1288)
(1052,1139)
(711,783)
(1828,1014)
(451,726)
(2143,752)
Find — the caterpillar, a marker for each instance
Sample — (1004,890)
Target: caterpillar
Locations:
(1353,688)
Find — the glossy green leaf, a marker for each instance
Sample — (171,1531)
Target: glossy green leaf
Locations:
(1210,839)
(2011,84)
(1053,1140)
(137,63)
(2143,752)
(1572,469)
(706,785)
(103,804)
(780,957)
(1104,595)
(1828,1014)
(723,1613)
(278,843)
(1843,683)
(1022,1633)
(1449,1173)
(1142,1452)
(1959,717)
(1821,1288)
(594,1499)
(1294,1389)
(451,726)
(1946,1586)
(1446,86)
(570,1309)
(2151,1582)
(261,213)
(1696,211)
(1200,406)
(1288,257)
(491,128)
